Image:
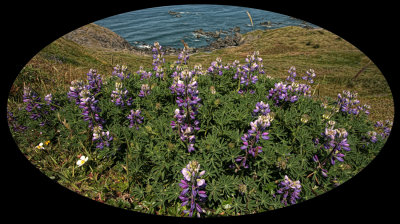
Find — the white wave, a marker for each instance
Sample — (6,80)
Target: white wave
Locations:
(144,46)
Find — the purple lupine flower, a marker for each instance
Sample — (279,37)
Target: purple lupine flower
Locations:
(143,74)
(383,130)
(185,87)
(289,188)
(324,172)
(13,122)
(292,74)
(158,60)
(348,103)
(49,101)
(378,124)
(387,129)
(76,87)
(183,57)
(216,67)
(135,119)
(178,86)
(90,109)
(335,140)
(310,76)
(283,92)
(85,97)
(248,74)
(261,108)
(32,99)
(95,82)
(257,130)
(119,96)
(198,70)
(34,105)
(144,90)
(316,141)
(192,185)
(101,137)
(120,71)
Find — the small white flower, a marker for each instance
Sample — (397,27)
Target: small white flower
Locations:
(82,160)
(40,146)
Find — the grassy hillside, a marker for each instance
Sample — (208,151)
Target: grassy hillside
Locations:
(334,60)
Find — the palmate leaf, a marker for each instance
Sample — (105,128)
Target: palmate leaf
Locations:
(238,205)
(213,192)
(227,184)
(155,155)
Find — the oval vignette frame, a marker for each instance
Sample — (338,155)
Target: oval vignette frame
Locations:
(361,176)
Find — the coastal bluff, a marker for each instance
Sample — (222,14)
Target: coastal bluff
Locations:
(95,36)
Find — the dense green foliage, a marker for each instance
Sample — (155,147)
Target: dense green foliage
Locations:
(141,168)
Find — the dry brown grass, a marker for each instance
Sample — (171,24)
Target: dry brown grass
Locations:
(334,60)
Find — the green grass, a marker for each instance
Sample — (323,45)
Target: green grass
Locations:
(334,60)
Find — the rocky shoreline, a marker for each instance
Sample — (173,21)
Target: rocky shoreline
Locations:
(218,43)
(95,36)
(219,39)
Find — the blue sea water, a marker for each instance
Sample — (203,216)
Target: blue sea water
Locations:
(142,28)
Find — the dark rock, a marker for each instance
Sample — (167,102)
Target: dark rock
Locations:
(266,24)
(176,14)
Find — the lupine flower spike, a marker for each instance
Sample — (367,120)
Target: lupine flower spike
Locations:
(185,87)
(193,192)
(289,188)
(158,60)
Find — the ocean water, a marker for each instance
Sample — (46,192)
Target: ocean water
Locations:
(142,28)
